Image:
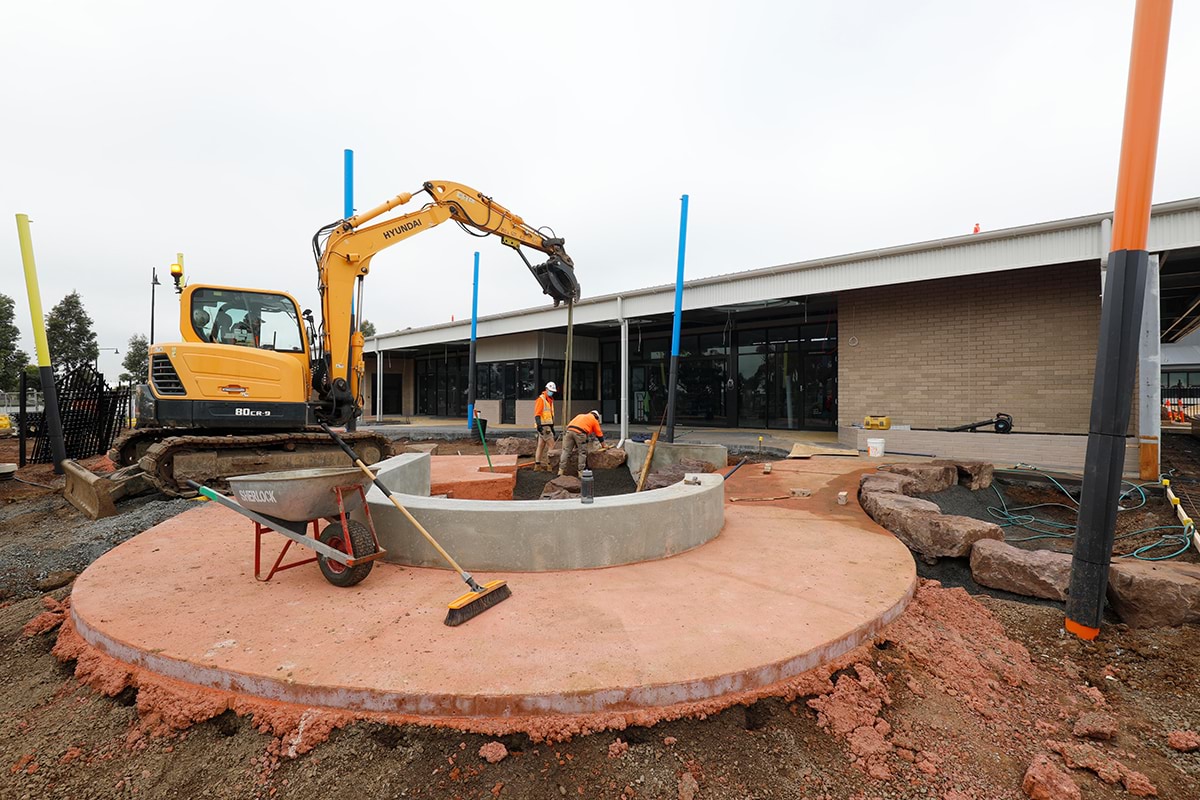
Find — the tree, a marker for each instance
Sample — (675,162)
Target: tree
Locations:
(137,360)
(367,328)
(12,358)
(33,378)
(69,332)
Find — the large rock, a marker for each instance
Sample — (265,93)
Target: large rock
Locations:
(897,512)
(1046,781)
(674,473)
(514,446)
(927,478)
(950,535)
(1034,573)
(1149,594)
(975,475)
(564,487)
(610,458)
(885,482)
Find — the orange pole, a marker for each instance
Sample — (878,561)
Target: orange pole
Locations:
(1131,222)
(1143,111)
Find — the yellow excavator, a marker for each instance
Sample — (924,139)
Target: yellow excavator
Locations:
(254,375)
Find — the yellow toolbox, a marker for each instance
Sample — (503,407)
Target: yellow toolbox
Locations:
(873,423)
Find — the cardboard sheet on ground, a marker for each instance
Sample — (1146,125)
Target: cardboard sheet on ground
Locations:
(801,450)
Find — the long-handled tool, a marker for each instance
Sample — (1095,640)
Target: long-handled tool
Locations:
(479,427)
(469,605)
(650,453)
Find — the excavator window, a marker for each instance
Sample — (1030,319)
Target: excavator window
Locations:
(247,319)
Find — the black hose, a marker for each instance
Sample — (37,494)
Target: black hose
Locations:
(737,466)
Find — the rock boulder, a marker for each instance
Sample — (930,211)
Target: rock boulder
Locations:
(1150,594)
(564,487)
(927,478)
(514,446)
(975,475)
(1046,781)
(673,474)
(610,458)
(950,535)
(885,482)
(1034,573)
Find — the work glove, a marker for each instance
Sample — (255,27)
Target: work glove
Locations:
(539,428)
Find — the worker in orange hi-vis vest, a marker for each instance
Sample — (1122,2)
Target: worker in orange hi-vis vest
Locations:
(575,439)
(543,419)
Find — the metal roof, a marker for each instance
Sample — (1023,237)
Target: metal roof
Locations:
(1172,225)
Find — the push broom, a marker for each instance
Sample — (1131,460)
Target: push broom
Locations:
(469,605)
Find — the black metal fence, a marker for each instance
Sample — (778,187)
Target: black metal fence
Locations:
(1180,403)
(93,414)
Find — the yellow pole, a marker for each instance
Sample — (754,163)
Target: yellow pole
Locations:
(35,296)
(53,420)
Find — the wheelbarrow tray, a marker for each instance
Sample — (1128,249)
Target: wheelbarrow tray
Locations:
(295,530)
(298,495)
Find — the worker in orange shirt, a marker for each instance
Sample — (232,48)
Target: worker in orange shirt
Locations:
(579,430)
(543,419)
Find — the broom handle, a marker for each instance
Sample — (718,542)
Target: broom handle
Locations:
(646,466)
(387,493)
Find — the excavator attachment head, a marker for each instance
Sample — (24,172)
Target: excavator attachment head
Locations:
(557,278)
(97,495)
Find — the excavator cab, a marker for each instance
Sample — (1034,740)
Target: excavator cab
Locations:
(243,364)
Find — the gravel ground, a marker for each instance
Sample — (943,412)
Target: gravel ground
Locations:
(46,534)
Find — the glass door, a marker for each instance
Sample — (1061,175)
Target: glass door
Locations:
(508,405)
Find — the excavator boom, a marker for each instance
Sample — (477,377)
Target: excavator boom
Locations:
(344,259)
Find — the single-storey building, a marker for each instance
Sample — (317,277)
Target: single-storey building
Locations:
(933,334)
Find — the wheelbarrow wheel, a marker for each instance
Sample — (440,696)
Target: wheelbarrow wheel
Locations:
(335,537)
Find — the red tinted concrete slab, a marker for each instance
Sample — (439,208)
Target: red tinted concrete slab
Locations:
(786,587)
(468,477)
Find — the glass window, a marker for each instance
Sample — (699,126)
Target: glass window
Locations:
(526,383)
(583,380)
(750,342)
(250,319)
(552,370)
(713,344)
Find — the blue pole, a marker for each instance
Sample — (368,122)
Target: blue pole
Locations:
(683,213)
(471,388)
(348,209)
(348,194)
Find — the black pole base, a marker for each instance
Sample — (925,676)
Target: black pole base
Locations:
(1112,395)
(671,399)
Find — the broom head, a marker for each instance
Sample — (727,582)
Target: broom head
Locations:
(472,604)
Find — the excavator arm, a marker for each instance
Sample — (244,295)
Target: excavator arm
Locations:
(344,259)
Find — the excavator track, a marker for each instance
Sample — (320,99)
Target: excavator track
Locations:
(209,459)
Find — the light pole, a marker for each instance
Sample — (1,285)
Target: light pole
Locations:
(153,283)
(100,350)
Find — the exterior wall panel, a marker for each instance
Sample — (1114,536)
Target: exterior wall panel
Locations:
(944,353)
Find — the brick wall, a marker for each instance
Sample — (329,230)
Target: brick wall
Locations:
(946,352)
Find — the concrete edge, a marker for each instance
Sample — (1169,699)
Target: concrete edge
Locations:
(488,710)
(552,535)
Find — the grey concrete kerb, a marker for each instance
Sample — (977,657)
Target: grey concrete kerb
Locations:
(544,535)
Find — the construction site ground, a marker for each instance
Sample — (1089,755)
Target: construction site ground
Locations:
(953,700)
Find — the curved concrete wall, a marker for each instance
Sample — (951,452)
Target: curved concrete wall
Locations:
(547,535)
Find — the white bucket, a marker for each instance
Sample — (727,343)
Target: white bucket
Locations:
(875,448)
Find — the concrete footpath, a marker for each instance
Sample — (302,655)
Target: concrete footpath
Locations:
(777,442)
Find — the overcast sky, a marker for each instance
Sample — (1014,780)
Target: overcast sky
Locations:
(134,130)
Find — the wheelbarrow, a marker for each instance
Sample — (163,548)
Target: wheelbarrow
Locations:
(290,502)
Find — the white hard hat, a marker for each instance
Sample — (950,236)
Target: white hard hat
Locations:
(551,386)
(595,414)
